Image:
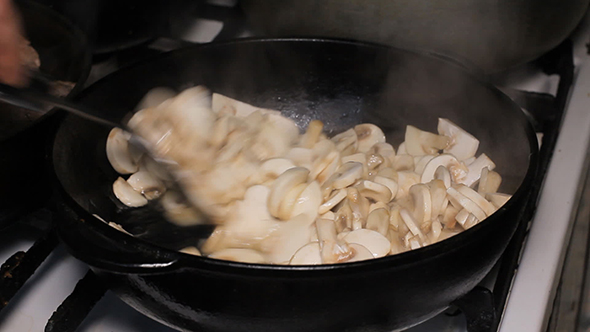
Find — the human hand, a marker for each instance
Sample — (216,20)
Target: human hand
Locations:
(11,69)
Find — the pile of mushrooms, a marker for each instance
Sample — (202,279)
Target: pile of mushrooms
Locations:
(281,197)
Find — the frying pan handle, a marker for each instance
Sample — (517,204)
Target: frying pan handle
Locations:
(105,248)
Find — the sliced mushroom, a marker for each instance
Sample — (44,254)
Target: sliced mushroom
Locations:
(438,195)
(498,199)
(378,220)
(389,183)
(458,198)
(177,211)
(344,217)
(489,181)
(301,157)
(377,244)
(486,206)
(374,160)
(286,238)
(462,216)
(419,143)
(336,197)
(401,149)
(347,174)
(333,162)
(448,217)
(239,255)
(289,200)
(311,136)
(119,154)
(442,173)
(436,229)
(462,144)
(221,104)
(378,205)
(420,194)
(274,167)
(145,183)
(374,191)
(411,223)
(282,185)
(328,215)
(383,149)
(127,195)
(395,218)
(332,249)
(309,254)
(475,169)
(346,142)
(403,162)
(457,170)
(368,135)
(191,251)
(405,180)
(359,252)
(308,203)
(421,163)
(471,221)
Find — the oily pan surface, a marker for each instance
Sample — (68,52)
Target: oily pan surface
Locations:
(339,83)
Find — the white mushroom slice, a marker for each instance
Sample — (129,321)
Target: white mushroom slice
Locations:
(191,251)
(358,157)
(438,195)
(336,197)
(311,136)
(127,195)
(475,168)
(462,144)
(274,167)
(471,221)
(378,205)
(328,215)
(458,198)
(377,244)
(282,185)
(411,223)
(420,194)
(462,216)
(401,149)
(422,162)
(178,212)
(145,183)
(384,149)
(346,142)
(155,97)
(489,181)
(301,157)
(323,154)
(403,162)
(405,180)
(374,160)
(389,173)
(360,252)
(190,113)
(308,203)
(332,249)
(396,245)
(447,233)
(309,254)
(469,161)
(498,199)
(486,206)
(442,173)
(378,220)
(347,174)
(333,162)
(220,131)
(118,152)
(287,238)
(289,201)
(359,206)
(419,142)
(374,191)
(395,218)
(436,229)
(239,255)
(368,135)
(448,217)
(415,243)
(344,217)
(458,170)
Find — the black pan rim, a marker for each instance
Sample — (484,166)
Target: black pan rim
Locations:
(431,252)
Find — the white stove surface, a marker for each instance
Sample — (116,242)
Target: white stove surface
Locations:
(535,281)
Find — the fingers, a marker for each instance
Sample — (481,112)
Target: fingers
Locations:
(11,69)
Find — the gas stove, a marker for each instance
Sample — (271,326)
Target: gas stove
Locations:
(47,289)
